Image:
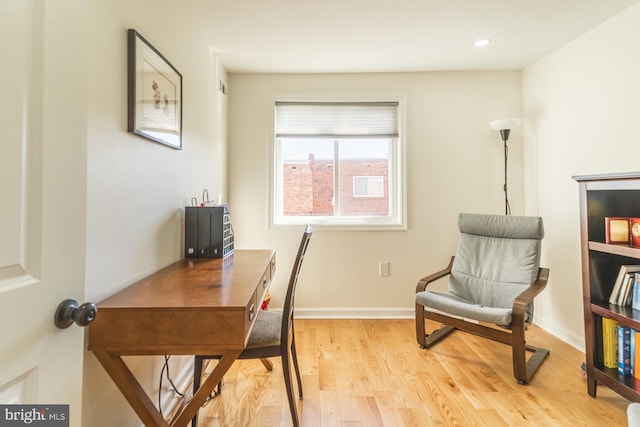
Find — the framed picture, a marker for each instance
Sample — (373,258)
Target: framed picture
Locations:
(634,230)
(154,93)
(616,229)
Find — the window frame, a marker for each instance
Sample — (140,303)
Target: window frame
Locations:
(397,220)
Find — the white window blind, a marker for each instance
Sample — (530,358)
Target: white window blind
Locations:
(337,119)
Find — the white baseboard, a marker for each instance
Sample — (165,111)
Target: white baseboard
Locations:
(355,313)
(576,341)
(569,337)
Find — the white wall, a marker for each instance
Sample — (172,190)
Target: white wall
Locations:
(580,106)
(137,188)
(454,163)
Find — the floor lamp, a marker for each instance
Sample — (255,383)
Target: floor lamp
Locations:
(505,126)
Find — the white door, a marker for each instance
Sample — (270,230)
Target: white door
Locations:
(42,200)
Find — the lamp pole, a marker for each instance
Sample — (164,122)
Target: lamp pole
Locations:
(504,133)
(505,126)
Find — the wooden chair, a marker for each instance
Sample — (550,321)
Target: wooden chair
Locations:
(272,336)
(493,279)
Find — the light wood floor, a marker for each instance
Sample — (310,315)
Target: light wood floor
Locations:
(372,373)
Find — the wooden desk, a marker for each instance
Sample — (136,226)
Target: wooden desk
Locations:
(193,307)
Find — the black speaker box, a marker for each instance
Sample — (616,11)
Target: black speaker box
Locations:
(207,232)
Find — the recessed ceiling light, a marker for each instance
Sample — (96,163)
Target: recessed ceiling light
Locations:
(481,42)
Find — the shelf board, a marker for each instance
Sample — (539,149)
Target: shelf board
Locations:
(625,315)
(625,385)
(622,250)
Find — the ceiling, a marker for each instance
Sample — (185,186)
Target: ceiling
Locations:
(324,36)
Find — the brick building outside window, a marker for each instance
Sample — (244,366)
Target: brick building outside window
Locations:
(308,187)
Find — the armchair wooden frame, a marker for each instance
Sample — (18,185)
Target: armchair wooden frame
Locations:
(514,336)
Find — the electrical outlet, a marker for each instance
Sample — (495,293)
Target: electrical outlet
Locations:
(383,268)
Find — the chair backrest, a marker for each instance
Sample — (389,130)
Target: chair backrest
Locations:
(287,313)
(498,256)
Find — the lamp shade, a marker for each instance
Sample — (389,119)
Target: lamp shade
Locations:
(502,124)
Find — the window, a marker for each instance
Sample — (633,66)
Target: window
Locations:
(368,186)
(338,163)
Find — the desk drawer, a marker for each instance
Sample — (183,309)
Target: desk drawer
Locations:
(255,303)
(265,282)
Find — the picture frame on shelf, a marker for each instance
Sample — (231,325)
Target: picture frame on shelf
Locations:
(154,93)
(617,230)
(634,231)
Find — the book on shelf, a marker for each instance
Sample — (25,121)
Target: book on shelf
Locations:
(621,348)
(625,291)
(614,297)
(624,350)
(609,342)
(632,345)
(635,367)
(635,300)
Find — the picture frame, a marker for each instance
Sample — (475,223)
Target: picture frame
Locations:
(617,230)
(634,231)
(154,93)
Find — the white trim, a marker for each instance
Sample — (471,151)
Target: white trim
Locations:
(563,334)
(355,313)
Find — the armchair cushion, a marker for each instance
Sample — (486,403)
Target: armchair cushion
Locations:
(460,307)
(514,227)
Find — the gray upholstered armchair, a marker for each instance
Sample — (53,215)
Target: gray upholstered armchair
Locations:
(493,279)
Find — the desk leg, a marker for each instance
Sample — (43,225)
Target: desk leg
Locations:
(140,401)
(190,409)
(130,388)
